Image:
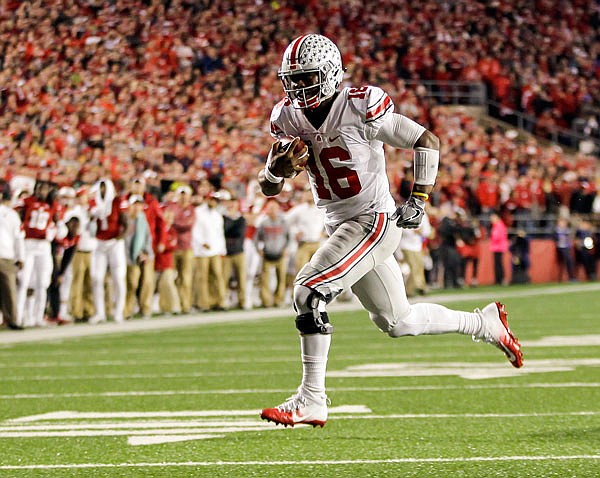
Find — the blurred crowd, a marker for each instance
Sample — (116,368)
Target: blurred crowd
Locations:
(113,250)
(176,95)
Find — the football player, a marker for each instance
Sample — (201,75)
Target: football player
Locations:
(39,214)
(109,211)
(345,130)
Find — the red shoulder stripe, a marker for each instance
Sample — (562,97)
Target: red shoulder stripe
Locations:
(382,107)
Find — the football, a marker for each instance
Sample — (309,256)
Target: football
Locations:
(290,163)
(283,143)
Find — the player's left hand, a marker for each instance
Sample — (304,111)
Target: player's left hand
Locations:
(410,214)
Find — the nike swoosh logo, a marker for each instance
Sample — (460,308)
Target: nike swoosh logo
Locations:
(331,140)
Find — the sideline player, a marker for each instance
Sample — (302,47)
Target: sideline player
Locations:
(345,131)
(109,210)
(39,214)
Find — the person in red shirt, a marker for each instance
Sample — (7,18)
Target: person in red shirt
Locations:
(38,214)
(488,193)
(523,197)
(184,218)
(168,297)
(109,211)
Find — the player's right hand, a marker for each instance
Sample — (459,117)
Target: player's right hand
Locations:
(410,214)
(287,157)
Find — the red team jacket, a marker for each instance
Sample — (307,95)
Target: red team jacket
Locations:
(164,260)
(113,226)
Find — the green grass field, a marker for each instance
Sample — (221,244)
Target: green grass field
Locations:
(185,402)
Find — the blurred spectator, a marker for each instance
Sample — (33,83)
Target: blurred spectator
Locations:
(208,244)
(563,236)
(138,247)
(306,225)
(499,246)
(63,250)
(272,239)
(411,246)
(470,233)
(168,296)
(234,263)
(110,214)
(156,225)
(585,248)
(253,259)
(520,250)
(12,253)
(81,301)
(449,231)
(183,222)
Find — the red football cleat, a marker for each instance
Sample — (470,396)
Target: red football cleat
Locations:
(298,409)
(495,331)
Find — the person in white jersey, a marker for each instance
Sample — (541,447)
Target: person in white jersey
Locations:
(344,131)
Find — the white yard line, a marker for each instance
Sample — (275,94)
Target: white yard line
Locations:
(184,464)
(17,426)
(144,393)
(83,330)
(71,415)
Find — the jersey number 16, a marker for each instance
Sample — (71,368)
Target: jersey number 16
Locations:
(334,174)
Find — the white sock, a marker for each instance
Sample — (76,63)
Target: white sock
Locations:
(469,323)
(314,350)
(434,319)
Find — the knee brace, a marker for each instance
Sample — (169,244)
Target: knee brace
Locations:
(313,321)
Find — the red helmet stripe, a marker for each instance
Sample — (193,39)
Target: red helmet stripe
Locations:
(294,52)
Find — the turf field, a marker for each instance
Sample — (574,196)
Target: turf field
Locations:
(184,402)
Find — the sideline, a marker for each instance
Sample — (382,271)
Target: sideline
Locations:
(85,330)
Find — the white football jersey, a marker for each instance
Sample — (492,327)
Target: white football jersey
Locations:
(347,166)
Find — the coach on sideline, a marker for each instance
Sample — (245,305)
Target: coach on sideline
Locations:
(12,252)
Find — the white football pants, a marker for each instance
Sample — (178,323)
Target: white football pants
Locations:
(109,254)
(36,274)
(359,255)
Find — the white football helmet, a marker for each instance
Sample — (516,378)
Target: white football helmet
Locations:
(311,70)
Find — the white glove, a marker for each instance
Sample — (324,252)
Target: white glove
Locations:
(410,214)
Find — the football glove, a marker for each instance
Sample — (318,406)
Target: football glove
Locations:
(410,214)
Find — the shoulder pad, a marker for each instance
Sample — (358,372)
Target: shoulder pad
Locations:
(378,104)
(276,117)
(371,102)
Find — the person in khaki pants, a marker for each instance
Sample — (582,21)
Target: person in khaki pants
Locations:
(411,246)
(307,226)
(138,247)
(81,303)
(272,239)
(156,225)
(12,253)
(208,244)
(183,256)
(168,297)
